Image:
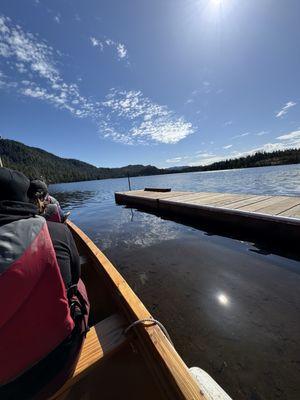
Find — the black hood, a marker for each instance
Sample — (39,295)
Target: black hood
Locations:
(14,210)
(13,185)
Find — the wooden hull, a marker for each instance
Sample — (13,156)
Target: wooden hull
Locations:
(142,364)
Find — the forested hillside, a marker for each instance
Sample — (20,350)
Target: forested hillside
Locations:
(259,159)
(37,163)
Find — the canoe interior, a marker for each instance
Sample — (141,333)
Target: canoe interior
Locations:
(146,366)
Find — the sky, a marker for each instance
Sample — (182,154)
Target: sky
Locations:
(161,82)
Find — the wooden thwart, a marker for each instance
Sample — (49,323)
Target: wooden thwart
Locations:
(102,341)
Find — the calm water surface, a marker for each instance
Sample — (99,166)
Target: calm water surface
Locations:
(229,308)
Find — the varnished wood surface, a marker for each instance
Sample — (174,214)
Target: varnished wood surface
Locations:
(102,341)
(285,206)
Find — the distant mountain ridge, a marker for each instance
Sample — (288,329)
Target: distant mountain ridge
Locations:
(38,163)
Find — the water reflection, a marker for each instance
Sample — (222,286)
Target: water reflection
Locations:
(190,279)
(223,299)
(93,207)
(75,199)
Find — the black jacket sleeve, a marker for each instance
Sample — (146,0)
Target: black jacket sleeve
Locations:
(66,252)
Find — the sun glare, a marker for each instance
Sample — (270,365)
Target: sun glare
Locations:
(218,3)
(223,299)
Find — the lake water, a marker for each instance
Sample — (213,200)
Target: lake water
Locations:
(230,308)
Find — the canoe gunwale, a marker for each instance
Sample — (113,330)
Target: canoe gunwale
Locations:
(171,373)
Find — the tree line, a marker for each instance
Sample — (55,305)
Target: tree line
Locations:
(38,163)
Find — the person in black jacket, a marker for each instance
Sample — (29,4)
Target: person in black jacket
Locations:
(48,374)
(62,239)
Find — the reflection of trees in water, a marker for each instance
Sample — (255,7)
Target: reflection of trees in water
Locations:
(75,199)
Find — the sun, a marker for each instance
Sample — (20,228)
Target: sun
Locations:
(217,2)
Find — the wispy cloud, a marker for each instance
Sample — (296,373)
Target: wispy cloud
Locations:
(228,123)
(176,160)
(206,86)
(123,116)
(5,83)
(139,120)
(24,48)
(286,141)
(96,43)
(57,18)
(121,51)
(189,101)
(227,146)
(292,136)
(262,133)
(205,159)
(285,109)
(199,158)
(241,135)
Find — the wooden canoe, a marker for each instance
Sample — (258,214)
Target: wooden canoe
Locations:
(141,364)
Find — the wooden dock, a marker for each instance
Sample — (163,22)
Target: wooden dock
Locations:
(274,215)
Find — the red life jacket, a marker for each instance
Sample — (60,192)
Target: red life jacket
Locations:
(35,316)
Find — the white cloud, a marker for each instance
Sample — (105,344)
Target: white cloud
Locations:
(205,159)
(120,48)
(241,135)
(287,141)
(57,18)
(5,83)
(201,158)
(291,135)
(21,68)
(228,123)
(26,50)
(285,109)
(189,101)
(34,59)
(122,51)
(175,160)
(124,116)
(96,43)
(291,139)
(261,133)
(227,147)
(206,87)
(139,120)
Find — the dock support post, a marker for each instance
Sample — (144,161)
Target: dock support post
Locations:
(129,184)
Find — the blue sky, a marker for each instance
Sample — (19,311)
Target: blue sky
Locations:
(167,83)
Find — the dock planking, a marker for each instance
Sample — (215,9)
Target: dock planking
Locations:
(272,215)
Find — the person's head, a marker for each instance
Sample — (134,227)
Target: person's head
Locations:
(13,185)
(37,194)
(37,190)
